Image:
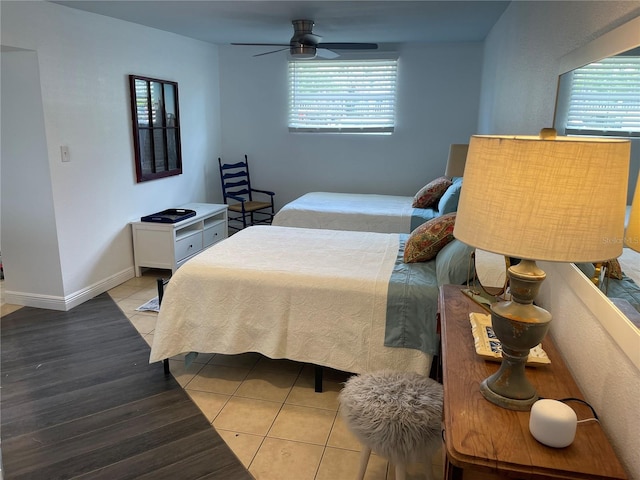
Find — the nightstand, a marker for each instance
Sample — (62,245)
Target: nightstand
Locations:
(169,245)
(484,441)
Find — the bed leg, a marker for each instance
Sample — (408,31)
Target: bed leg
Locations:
(318,379)
(161,283)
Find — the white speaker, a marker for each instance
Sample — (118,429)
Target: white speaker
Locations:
(553,423)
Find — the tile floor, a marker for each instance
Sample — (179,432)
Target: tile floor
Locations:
(266,410)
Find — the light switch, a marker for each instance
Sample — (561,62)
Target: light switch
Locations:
(64,153)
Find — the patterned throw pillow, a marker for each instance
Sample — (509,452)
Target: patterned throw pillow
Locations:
(429,195)
(614,270)
(428,239)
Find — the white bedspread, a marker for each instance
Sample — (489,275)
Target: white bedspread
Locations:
(341,211)
(316,296)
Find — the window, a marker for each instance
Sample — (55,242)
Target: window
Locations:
(344,96)
(156,127)
(604,98)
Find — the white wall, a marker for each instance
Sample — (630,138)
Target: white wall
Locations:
(522,58)
(518,94)
(438,97)
(28,227)
(83,61)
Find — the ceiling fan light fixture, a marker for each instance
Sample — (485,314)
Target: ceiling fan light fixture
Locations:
(304,44)
(302,52)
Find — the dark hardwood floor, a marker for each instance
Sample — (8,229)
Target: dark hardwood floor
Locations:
(80,400)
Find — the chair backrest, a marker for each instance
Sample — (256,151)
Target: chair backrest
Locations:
(235,179)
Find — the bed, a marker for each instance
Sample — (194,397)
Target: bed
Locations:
(331,298)
(620,282)
(379,213)
(366,212)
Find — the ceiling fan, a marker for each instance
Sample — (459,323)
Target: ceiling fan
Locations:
(305,44)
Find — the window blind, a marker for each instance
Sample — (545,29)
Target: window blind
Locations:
(605,98)
(346,96)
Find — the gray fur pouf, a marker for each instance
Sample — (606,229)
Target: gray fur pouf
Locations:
(398,415)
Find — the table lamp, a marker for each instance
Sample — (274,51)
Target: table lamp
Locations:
(632,235)
(456,160)
(548,198)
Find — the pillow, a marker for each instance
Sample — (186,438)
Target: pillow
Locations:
(613,270)
(453,263)
(428,239)
(449,201)
(588,269)
(431,193)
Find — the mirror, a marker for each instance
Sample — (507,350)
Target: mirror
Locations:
(583,112)
(156,127)
(617,42)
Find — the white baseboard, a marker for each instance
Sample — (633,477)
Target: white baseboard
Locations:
(52,302)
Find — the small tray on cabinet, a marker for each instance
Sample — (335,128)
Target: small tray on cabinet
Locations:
(488,346)
(171,215)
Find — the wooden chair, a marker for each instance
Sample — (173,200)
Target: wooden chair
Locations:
(236,186)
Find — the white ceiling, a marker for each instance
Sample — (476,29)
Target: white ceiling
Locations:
(263,21)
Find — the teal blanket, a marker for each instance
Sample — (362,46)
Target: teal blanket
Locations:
(412,305)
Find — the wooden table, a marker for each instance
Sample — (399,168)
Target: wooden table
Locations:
(484,441)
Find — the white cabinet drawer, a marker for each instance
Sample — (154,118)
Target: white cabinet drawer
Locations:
(213,234)
(188,245)
(169,245)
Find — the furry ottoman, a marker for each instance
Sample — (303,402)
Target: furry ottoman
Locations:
(398,415)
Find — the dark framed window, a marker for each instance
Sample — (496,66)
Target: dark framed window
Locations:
(156,127)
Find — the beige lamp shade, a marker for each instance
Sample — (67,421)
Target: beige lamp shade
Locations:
(456,160)
(632,235)
(555,199)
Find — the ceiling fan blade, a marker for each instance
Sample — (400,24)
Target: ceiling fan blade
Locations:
(263,44)
(348,46)
(308,38)
(272,51)
(326,53)
(305,44)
